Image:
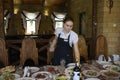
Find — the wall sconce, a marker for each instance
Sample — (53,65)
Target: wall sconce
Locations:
(109,4)
(46,12)
(16,10)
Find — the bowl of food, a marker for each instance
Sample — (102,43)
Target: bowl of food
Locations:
(7,68)
(25,78)
(111,67)
(69,70)
(92,79)
(61,76)
(7,76)
(110,75)
(43,75)
(90,73)
(51,68)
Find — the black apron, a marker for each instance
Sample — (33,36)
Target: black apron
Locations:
(63,51)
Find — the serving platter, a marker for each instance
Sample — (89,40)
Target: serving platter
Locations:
(92,79)
(71,64)
(8,68)
(51,68)
(112,67)
(42,75)
(117,62)
(34,69)
(69,70)
(16,75)
(91,73)
(103,62)
(26,78)
(110,74)
(61,76)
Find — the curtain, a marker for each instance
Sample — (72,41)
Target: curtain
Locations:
(6,19)
(25,15)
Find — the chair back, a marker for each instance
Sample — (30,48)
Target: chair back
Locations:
(101,47)
(3,53)
(28,51)
(82,47)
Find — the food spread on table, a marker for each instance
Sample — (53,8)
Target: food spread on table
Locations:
(50,72)
(8,68)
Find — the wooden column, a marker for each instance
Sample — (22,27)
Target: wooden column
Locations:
(2,33)
(12,28)
(94,28)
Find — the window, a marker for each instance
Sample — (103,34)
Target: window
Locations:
(30,26)
(31,22)
(58,19)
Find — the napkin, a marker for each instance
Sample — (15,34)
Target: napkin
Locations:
(116,57)
(102,58)
(25,71)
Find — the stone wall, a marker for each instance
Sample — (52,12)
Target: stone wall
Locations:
(82,6)
(109,24)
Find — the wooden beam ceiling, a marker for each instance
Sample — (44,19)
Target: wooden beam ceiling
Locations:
(37,2)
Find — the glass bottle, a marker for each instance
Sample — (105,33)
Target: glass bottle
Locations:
(76,72)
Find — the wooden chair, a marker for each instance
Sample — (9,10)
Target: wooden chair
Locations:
(82,47)
(101,47)
(3,53)
(28,51)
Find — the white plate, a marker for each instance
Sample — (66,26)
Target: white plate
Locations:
(42,73)
(92,79)
(25,78)
(50,66)
(91,73)
(16,75)
(111,67)
(71,64)
(34,69)
(61,76)
(103,62)
(110,74)
(117,62)
(69,70)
